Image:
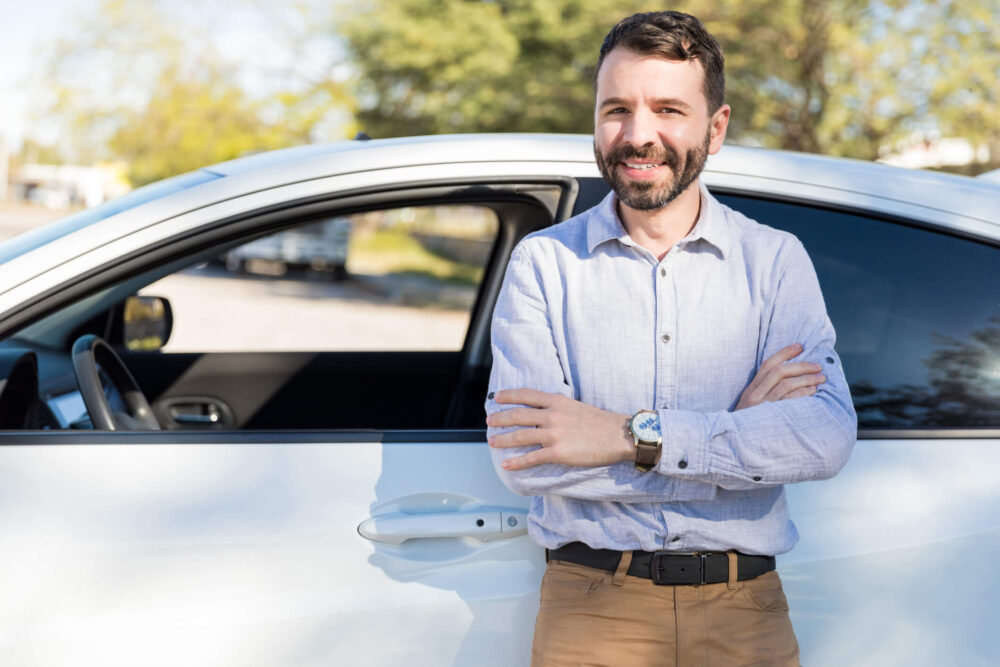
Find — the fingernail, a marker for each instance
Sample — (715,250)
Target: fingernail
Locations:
(798,345)
(506,465)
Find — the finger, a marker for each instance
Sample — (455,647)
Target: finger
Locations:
(800,393)
(760,384)
(798,368)
(790,385)
(524,396)
(529,460)
(524,437)
(516,417)
(786,353)
(772,378)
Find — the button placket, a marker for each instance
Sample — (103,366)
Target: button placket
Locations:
(666,316)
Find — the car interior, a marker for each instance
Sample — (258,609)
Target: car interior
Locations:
(73,364)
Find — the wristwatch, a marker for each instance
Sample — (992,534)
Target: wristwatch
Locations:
(645,429)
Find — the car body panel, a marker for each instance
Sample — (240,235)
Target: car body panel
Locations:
(244,548)
(235,554)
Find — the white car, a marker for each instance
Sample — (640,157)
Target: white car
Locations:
(319,490)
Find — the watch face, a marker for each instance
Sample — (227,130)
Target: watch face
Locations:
(646,426)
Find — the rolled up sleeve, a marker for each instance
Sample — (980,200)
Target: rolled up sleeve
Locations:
(781,442)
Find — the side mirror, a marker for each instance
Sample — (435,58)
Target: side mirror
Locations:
(146,322)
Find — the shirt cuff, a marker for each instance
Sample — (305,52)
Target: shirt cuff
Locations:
(685,444)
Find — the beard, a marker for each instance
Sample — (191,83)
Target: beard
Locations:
(650,195)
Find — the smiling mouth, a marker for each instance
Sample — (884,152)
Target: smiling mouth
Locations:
(643,166)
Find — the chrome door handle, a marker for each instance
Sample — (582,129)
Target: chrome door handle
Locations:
(484,523)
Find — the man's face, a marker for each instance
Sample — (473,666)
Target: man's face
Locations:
(652,128)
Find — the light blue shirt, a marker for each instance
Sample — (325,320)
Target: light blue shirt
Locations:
(586,312)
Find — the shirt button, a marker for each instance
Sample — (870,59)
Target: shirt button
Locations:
(676,538)
(665,338)
(682,464)
(663,271)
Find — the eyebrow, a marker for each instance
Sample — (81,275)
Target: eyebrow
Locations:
(660,101)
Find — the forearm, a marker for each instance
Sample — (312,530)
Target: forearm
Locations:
(620,482)
(776,443)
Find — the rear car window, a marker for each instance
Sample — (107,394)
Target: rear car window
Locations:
(916,312)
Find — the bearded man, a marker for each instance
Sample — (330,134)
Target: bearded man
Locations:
(641,392)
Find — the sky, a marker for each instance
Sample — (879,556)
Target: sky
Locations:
(27,26)
(24,27)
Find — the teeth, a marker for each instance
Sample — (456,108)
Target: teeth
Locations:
(641,166)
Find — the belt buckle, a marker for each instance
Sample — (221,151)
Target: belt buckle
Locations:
(657,576)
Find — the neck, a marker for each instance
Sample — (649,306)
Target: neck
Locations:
(660,229)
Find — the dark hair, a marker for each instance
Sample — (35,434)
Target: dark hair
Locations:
(671,36)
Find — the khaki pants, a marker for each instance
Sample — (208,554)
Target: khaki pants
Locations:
(591,617)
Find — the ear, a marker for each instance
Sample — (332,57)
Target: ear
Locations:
(717,128)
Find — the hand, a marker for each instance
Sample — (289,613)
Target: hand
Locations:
(775,380)
(569,432)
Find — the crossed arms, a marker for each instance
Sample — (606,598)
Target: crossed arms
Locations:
(792,423)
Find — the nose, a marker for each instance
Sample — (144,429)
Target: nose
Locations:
(640,128)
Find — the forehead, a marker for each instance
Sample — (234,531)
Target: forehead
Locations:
(630,75)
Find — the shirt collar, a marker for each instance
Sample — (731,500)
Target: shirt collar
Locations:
(605,225)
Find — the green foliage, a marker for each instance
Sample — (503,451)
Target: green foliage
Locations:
(839,76)
(146,83)
(395,251)
(443,66)
(190,124)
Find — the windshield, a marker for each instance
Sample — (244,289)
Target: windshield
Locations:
(38,237)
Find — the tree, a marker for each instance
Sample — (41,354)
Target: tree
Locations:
(839,76)
(149,84)
(189,124)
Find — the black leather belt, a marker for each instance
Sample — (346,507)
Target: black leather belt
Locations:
(668,567)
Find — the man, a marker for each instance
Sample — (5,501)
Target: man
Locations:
(624,340)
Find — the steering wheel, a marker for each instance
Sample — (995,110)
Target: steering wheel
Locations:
(91,355)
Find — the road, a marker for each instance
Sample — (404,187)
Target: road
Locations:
(215,310)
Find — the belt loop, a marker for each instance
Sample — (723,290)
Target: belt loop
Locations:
(733,571)
(619,578)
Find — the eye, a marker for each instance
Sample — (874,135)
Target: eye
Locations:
(668,110)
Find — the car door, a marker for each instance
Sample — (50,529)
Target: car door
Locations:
(360,548)
(372,543)
(894,563)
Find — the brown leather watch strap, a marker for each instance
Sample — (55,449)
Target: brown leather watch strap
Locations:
(647,455)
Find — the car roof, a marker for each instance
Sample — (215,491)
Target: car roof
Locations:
(795,172)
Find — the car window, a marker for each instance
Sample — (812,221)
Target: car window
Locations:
(399,279)
(916,312)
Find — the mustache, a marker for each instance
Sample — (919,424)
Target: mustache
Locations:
(624,152)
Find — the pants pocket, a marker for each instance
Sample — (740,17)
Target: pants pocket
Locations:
(765,592)
(571,582)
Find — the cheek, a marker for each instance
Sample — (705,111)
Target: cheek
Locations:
(678,133)
(605,132)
